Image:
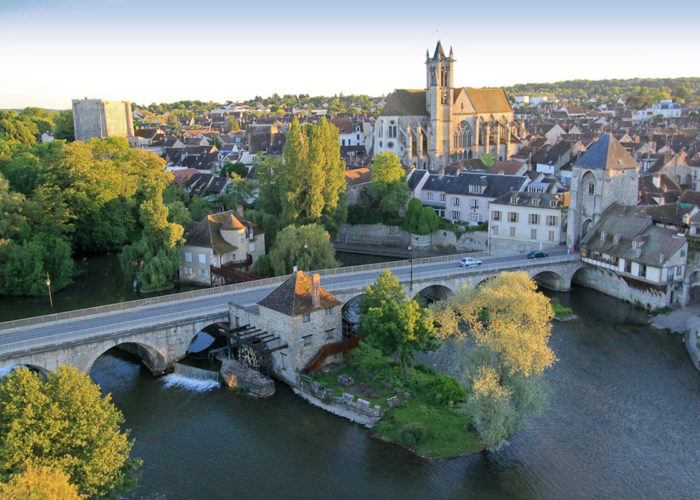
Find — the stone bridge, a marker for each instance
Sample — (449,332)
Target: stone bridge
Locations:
(159,330)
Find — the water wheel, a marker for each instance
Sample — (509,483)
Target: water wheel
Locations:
(249,357)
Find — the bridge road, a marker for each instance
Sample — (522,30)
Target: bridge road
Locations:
(113,322)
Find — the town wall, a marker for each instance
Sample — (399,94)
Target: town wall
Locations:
(609,283)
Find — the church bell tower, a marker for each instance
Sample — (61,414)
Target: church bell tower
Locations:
(439,104)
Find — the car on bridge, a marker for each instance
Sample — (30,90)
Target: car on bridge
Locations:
(536,254)
(469,262)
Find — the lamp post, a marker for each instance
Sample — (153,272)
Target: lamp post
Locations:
(48,285)
(410,259)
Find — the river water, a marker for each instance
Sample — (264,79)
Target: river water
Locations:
(623,422)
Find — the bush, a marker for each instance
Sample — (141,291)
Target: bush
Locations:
(444,389)
(412,434)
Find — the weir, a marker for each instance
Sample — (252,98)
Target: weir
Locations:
(195,373)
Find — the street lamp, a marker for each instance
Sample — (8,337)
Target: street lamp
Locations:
(410,259)
(48,285)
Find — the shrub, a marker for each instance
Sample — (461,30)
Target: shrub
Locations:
(413,433)
(444,389)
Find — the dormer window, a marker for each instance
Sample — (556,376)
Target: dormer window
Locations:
(616,238)
(603,235)
(514,200)
(536,202)
(476,189)
(553,203)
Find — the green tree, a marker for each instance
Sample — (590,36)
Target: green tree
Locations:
(40,482)
(63,126)
(385,288)
(488,159)
(233,126)
(308,247)
(508,322)
(154,258)
(16,128)
(399,328)
(238,168)
(65,423)
(386,167)
(173,122)
(420,219)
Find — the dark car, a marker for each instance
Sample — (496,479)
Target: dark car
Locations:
(536,254)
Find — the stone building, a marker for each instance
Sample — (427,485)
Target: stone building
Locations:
(221,240)
(304,316)
(430,128)
(604,174)
(100,119)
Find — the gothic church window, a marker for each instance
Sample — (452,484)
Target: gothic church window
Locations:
(463,136)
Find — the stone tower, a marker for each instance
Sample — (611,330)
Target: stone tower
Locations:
(606,173)
(100,119)
(438,103)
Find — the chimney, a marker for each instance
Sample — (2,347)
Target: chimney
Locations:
(316,290)
(239,210)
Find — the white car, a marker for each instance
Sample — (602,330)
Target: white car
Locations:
(468,262)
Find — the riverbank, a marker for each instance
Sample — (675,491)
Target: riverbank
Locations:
(686,322)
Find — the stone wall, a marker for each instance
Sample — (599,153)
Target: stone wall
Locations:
(346,401)
(440,240)
(609,283)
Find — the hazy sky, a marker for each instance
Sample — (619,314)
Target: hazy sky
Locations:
(151,50)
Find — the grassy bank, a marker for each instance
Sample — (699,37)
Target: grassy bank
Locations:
(427,418)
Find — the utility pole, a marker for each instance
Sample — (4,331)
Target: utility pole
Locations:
(410,259)
(48,285)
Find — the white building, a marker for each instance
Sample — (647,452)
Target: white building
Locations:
(528,221)
(666,108)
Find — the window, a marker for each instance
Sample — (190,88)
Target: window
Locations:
(628,266)
(494,230)
(512,216)
(591,188)
(533,234)
(188,270)
(202,258)
(329,311)
(475,218)
(329,333)
(669,274)
(429,196)
(342,142)
(551,236)
(188,256)
(553,203)
(455,202)
(511,233)
(552,220)
(534,219)
(306,339)
(536,202)
(454,215)
(642,270)
(514,200)
(390,144)
(202,272)
(392,131)
(358,137)
(442,196)
(307,318)
(679,270)
(496,215)
(473,203)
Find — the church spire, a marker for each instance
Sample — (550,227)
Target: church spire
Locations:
(439,51)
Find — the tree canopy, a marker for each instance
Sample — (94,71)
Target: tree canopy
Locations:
(420,219)
(65,423)
(40,482)
(508,322)
(308,247)
(386,167)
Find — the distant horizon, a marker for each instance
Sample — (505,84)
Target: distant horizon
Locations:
(55,50)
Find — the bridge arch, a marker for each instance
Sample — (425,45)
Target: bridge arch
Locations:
(548,279)
(433,293)
(351,309)
(149,356)
(7,369)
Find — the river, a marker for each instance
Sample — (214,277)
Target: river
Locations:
(622,422)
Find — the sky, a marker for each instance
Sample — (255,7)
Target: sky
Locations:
(144,51)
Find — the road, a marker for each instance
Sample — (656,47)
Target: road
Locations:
(102,324)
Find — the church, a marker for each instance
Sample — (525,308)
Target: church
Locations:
(435,127)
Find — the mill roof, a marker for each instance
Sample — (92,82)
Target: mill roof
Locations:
(293,297)
(606,153)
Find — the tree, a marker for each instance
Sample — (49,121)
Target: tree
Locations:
(173,122)
(509,323)
(40,482)
(63,126)
(154,258)
(385,199)
(488,159)
(386,167)
(64,422)
(420,219)
(307,247)
(385,288)
(238,168)
(399,327)
(233,126)
(16,128)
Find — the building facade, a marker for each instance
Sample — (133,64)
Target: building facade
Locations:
(431,128)
(95,118)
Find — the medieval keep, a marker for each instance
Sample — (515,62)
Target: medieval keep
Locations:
(431,128)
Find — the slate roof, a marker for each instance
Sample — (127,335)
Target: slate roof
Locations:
(632,223)
(415,177)
(606,153)
(524,199)
(293,297)
(496,184)
(405,102)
